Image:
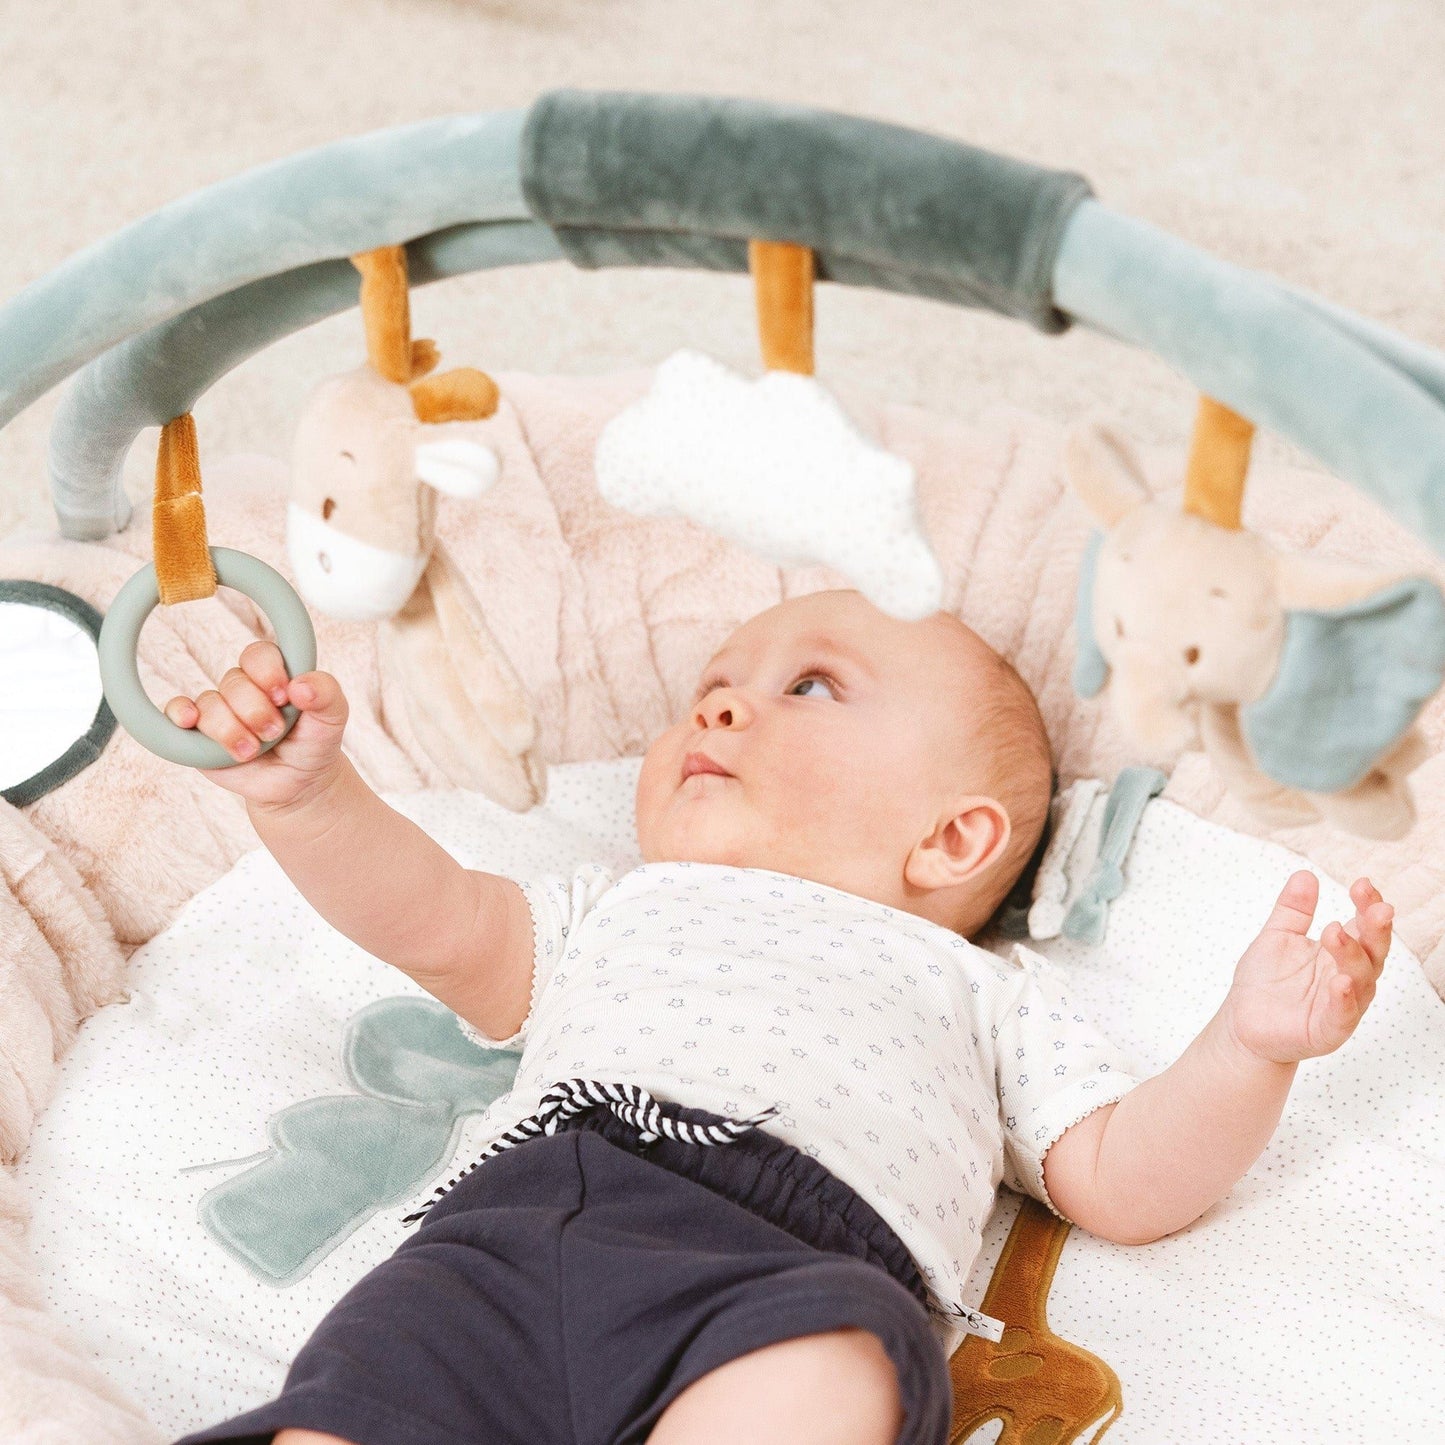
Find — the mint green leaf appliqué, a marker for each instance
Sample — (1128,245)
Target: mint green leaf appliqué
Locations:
(336,1160)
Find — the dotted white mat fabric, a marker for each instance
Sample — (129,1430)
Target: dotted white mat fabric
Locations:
(1309,1305)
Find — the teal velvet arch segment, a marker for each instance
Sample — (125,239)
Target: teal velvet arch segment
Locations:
(378,189)
(334,1161)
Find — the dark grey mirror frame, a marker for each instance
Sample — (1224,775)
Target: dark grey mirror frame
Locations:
(87,748)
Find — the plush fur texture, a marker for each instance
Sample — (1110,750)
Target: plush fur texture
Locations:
(374,448)
(775,465)
(1189,613)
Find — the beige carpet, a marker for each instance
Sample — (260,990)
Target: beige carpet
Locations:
(1302,138)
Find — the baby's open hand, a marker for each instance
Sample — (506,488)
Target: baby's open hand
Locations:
(1296,998)
(246,710)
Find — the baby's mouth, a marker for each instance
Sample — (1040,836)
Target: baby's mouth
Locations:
(697,763)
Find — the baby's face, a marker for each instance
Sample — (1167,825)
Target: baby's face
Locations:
(832,722)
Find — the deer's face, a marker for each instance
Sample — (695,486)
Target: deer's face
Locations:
(362,516)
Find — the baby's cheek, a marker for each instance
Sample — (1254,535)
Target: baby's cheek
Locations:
(828,802)
(647,799)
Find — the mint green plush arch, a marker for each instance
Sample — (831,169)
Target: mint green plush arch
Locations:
(161,309)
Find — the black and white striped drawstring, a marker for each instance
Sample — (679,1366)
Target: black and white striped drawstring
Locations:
(632,1104)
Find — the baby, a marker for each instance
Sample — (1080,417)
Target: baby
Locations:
(768,1089)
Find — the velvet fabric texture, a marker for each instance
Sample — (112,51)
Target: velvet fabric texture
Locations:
(666,180)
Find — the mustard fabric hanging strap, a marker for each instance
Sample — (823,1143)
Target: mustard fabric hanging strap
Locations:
(1218,464)
(783,288)
(184,568)
(386,313)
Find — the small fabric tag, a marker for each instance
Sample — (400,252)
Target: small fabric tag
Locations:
(975,1322)
(970,1321)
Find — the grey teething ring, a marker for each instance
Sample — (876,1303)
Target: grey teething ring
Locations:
(120,676)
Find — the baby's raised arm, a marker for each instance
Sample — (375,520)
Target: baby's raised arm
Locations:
(1156,1160)
(464,936)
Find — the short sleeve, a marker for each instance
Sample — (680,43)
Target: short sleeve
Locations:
(558,904)
(1054,1068)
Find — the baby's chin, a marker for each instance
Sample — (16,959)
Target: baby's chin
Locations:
(699,841)
(696,850)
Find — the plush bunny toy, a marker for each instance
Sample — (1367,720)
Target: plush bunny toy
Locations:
(1300,678)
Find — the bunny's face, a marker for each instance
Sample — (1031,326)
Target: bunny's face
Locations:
(1188,609)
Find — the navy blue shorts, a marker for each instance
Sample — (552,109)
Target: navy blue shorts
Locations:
(567,1290)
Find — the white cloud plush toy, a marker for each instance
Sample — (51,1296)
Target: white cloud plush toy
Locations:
(776,466)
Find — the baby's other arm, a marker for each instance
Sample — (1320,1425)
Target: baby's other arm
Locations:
(1153,1162)
(464,936)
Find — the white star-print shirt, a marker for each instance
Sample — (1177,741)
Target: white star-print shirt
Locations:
(918,1068)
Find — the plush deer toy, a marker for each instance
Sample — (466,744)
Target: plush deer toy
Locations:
(373,449)
(1301,678)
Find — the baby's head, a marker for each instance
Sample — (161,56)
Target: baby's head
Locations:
(905,762)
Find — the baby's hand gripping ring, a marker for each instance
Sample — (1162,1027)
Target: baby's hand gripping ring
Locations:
(120,675)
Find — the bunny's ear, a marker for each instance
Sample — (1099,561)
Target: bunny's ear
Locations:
(1351,680)
(456,465)
(1104,472)
(1316,583)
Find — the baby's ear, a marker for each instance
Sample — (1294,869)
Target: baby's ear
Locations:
(962,848)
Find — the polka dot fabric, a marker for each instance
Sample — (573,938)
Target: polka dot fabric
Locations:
(903,1058)
(235,1011)
(1307,1305)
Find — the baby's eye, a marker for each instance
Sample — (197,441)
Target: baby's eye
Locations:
(818,677)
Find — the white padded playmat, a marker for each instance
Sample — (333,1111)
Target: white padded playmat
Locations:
(1308,1306)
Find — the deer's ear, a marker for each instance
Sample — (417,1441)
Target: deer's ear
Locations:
(455,464)
(1104,472)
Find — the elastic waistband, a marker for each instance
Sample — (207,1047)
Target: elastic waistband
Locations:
(770,1178)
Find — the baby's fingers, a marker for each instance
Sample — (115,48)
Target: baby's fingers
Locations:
(1372,921)
(1354,964)
(1374,928)
(1363,893)
(319,696)
(183,712)
(263,664)
(217,721)
(1342,1013)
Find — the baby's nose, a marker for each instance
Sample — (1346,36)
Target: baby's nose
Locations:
(719,709)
